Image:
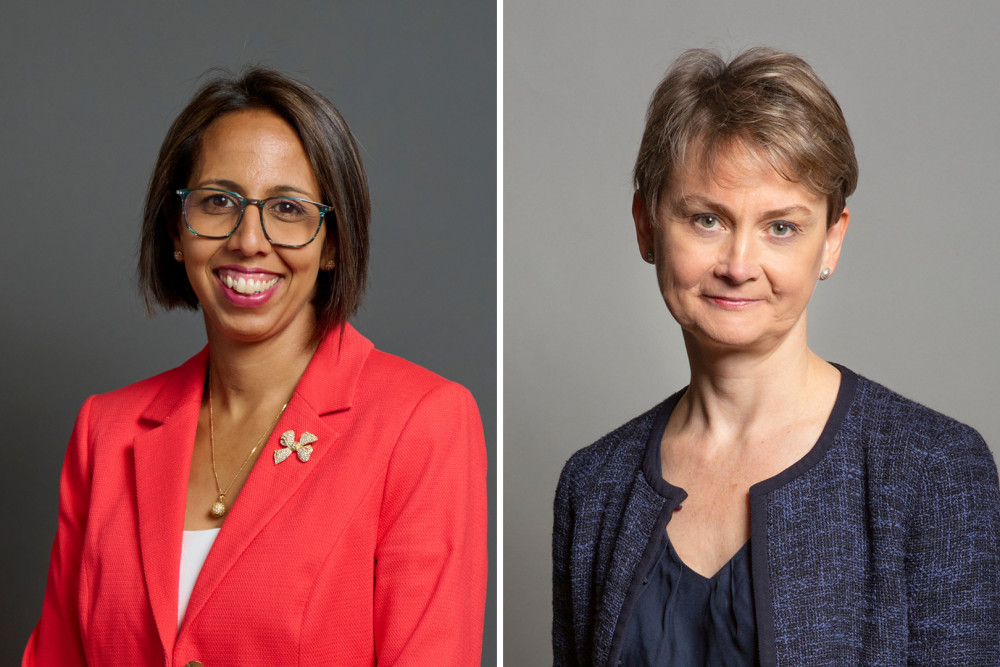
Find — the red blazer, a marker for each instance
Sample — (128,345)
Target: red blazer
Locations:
(374,549)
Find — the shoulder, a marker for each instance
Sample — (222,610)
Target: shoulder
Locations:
(387,394)
(401,385)
(114,418)
(380,389)
(910,439)
(164,390)
(431,425)
(884,410)
(141,392)
(398,374)
(617,455)
(885,417)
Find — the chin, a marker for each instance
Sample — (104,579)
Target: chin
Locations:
(250,327)
(729,338)
(246,336)
(242,329)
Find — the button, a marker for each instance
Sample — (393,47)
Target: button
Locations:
(194,663)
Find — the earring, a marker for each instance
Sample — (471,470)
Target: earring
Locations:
(650,257)
(178,255)
(824,274)
(329,265)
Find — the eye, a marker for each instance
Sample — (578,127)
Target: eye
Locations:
(707,222)
(287,210)
(783,228)
(210,201)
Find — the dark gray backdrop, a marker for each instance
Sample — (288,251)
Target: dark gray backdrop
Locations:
(89,90)
(588,343)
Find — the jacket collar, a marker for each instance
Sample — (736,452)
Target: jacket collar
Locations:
(344,351)
(163,464)
(343,348)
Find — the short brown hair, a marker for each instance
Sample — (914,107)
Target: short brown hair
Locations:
(335,160)
(769,101)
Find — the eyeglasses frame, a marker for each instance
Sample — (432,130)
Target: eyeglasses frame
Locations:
(259,203)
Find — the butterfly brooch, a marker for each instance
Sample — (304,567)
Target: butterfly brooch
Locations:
(302,448)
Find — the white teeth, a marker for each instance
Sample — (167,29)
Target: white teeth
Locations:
(245,286)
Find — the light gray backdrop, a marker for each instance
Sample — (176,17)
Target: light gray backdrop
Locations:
(589,344)
(89,90)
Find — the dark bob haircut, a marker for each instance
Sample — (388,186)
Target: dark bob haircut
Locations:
(335,161)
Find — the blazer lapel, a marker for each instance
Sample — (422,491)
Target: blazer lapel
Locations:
(162,468)
(268,488)
(325,388)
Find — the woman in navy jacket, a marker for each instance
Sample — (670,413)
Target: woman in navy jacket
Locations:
(780,510)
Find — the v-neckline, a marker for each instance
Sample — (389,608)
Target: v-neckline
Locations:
(728,565)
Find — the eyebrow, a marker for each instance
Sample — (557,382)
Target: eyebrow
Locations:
(275,190)
(692,203)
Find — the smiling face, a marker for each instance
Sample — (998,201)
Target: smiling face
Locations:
(248,289)
(738,251)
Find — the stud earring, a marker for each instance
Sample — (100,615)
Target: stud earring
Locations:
(178,255)
(824,274)
(650,257)
(329,265)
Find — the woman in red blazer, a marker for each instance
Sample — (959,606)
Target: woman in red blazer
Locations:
(338,491)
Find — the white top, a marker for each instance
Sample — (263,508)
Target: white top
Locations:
(194,550)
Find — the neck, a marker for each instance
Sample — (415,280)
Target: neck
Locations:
(734,391)
(248,376)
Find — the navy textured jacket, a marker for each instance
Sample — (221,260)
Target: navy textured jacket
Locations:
(880,547)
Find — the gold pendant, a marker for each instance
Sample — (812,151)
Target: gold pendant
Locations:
(219,508)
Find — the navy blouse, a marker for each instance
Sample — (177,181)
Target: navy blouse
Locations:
(682,619)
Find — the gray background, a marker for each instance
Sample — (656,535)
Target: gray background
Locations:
(89,90)
(589,344)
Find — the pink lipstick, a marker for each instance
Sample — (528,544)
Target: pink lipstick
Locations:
(247,287)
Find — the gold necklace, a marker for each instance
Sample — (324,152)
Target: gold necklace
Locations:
(219,506)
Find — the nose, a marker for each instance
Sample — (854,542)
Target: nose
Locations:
(248,238)
(738,260)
